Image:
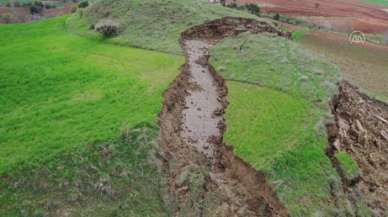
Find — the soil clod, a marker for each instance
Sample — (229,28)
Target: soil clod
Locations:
(359,123)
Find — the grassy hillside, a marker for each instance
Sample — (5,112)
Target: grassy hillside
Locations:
(298,87)
(365,67)
(274,123)
(84,90)
(60,91)
(109,178)
(151,24)
(76,105)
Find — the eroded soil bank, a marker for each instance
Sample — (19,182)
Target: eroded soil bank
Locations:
(361,129)
(203,176)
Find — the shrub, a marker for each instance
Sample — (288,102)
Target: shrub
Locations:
(83,4)
(253,9)
(107,27)
(276,17)
(36,8)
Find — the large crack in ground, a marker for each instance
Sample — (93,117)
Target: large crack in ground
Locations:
(203,176)
(361,129)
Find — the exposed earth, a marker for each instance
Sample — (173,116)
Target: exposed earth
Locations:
(339,15)
(205,177)
(361,129)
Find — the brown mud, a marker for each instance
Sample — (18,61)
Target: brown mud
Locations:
(203,175)
(361,129)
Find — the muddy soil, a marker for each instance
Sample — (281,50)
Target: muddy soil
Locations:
(361,129)
(356,14)
(203,176)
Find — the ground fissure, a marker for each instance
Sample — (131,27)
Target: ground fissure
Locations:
(361,130)
(203,175)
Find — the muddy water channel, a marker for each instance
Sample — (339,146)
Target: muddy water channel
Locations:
(200,120)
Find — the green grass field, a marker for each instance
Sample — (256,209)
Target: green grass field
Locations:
(61,94)
(63,91)
(109,178)
(60,91)
(275,123)
(260,119)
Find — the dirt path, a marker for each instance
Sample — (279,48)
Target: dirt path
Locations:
(203,176)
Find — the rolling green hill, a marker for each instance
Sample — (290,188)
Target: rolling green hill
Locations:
(275,121)
(67,89)
(150,24)
(60,90)
(64,99)
(271,126)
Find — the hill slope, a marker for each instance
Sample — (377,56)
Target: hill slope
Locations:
(298,168)
(271,62)
(151,24)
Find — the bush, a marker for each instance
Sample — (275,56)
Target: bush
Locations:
(253,9)
(276,17)
(83,4)
(107,27)
(36,8)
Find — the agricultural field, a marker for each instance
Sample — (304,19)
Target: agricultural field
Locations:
(96,124)
(364,66)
